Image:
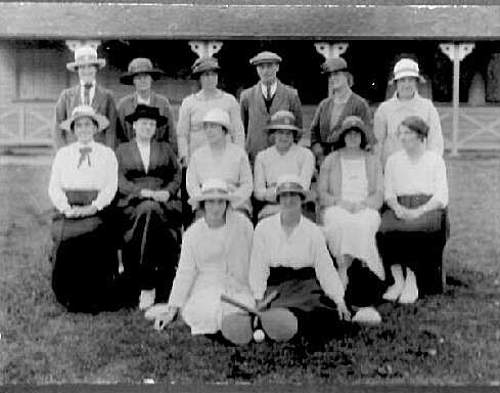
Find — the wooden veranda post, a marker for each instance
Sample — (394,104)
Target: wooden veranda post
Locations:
(456,53)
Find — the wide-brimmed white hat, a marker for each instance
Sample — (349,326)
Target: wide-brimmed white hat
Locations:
(406,68)
(218,116)
(213,189)
(290,183)
(85,55)
(85,111)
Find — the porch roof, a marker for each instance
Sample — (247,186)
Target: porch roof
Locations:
(252,19)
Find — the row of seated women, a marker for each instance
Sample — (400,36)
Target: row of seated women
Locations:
(86,175)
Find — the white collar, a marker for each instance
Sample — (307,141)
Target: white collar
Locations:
(274,87)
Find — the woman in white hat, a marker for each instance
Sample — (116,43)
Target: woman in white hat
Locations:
(190,135)
(87,92)
(284,157)
(83,183)
(405,102)
(289,254)
(222,159)
(351,193)
(214,261)
(149,179)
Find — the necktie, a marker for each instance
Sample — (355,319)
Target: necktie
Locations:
(269,94)
(86,93)
(84,153)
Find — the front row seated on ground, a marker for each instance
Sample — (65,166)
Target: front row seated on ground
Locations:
(288,255)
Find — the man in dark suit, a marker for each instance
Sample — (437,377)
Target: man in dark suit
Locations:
(261,101)
(141,74)
(87,92)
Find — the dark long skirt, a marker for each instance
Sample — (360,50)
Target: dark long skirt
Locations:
(85,263)
(151,246)
(417,244)
(300,292)
(364,289)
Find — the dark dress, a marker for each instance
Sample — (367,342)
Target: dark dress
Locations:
(151,229)
(84,258)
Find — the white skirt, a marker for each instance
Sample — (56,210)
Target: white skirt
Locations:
(204,310)
(354,235)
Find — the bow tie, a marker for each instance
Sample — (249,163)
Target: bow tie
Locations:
(84,153)
(88,86)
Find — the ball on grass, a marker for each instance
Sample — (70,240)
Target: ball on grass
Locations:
(258,335)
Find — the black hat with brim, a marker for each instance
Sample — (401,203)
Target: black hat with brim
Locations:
(147,112)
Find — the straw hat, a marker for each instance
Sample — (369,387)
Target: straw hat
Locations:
(265,57)
(213,189)
(140,65)
(218,116)
(85,55)
(85,111)
(282,120)
(147,112)
(290,183)
(406,68)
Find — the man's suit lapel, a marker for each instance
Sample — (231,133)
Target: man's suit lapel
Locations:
(259,98)
(279,98)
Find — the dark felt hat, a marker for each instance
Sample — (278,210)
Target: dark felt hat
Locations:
(204,64)
(140,65)
(147,112)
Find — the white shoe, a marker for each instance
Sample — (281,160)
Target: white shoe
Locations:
(367,315)
(410,290)
(147,298)
(395,290)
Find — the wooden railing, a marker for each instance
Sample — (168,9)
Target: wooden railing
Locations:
(31,124)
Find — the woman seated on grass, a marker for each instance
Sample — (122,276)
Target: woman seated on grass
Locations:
(416,192)
(220,159)
(284,157)
(83,183)
(214,260)
(351,190)
(149,178)
(289,255)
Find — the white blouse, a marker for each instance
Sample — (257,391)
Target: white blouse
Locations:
(305,247)
(425,176)
(232,166)
(270,165)
(100,175)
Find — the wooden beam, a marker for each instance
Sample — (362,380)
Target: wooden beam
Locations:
(249,20)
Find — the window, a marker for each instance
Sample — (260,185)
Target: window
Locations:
(41,74)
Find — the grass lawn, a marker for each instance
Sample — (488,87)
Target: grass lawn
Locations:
(452,338)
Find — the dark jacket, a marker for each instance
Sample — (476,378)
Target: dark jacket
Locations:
(255,115)
(163,172)
(320,130)
(166,133)
(103,103)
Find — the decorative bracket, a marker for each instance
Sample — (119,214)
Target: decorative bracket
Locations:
(74,44)
(331,50)
(459,51)
(205,48)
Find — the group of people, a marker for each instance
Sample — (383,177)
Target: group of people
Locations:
(162,216)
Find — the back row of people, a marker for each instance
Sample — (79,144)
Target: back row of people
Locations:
(258,103)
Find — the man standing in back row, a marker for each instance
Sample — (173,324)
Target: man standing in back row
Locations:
(86,92)
(259,102)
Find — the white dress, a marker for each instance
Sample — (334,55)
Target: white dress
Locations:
(354,234)
(213,262)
